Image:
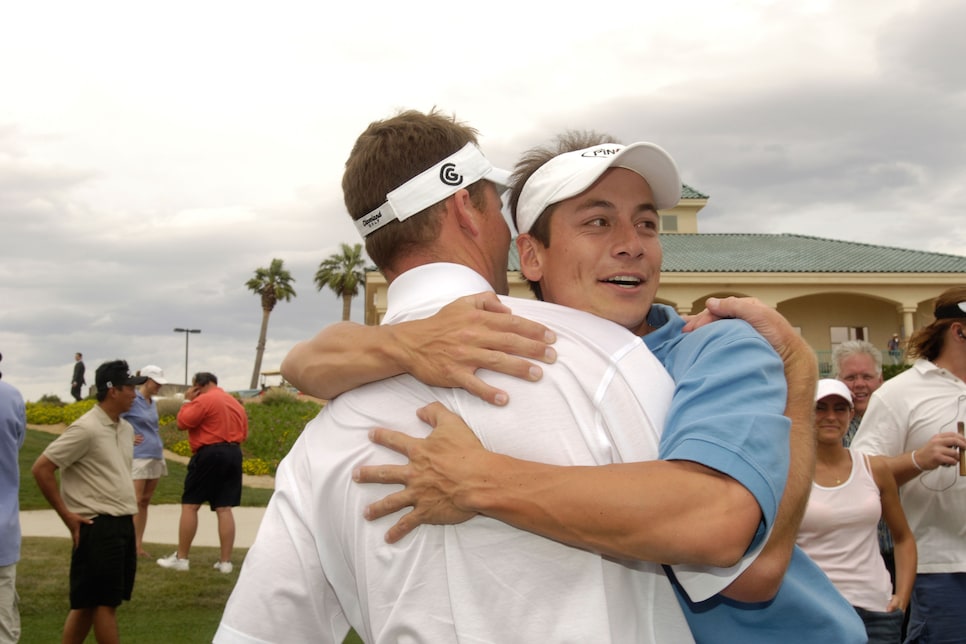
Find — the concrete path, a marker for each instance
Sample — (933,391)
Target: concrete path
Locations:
(162,527)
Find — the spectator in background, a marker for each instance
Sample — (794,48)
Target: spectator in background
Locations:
(217,424)
(850,493)
(894,352)
(96,502)
(912,420)
(13,427)
(858,364)
(148,465)
(77,381)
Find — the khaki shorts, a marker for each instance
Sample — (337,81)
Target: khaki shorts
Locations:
(148,468)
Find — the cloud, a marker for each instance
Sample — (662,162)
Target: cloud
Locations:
(920,46)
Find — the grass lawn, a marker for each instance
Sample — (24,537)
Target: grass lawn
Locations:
(166,606)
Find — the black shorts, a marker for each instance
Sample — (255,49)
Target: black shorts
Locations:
(214,476)
(103,566)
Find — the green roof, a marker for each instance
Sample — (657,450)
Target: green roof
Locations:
(786,253)
(687,192)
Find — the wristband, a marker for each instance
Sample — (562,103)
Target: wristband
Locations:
(913,455)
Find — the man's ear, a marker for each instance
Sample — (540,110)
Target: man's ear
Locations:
(531,257)
(468,216)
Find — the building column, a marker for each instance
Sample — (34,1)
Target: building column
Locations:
(908,320)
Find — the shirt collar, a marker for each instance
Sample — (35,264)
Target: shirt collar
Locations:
(430,286)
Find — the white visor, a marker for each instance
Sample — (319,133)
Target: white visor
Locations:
(456,171)
(832,387)
(569,174)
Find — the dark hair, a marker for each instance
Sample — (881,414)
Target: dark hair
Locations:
(534,159)
(386,155)
(928,342)
(202,378)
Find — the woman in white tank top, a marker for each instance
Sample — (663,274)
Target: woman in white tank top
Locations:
(851,491)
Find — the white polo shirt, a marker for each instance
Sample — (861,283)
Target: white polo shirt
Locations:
(903,414)
(318,567)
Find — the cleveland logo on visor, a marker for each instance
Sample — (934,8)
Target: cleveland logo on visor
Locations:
(449,175)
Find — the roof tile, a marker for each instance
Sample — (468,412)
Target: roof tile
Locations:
(787,253)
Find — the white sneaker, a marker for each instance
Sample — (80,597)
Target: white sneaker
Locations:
(173,562)
(223,566)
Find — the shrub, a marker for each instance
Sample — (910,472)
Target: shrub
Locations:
(181,448)
(52,399)
(273,427)
(277,396)
(258,467)
(40,413)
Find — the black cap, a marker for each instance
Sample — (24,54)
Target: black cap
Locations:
(950,311)
(115,374)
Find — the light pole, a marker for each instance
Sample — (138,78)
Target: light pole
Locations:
(186,332)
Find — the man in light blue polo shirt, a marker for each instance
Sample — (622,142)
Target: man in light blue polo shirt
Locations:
(13,428)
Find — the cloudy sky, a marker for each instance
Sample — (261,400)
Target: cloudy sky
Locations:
(153,155)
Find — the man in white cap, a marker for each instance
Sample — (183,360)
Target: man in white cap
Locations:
(317,566)
(606,260)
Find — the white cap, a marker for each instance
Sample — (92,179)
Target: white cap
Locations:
(831,387)
(458,170)
(569,174)
(155,373)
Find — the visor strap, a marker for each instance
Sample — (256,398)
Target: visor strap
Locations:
(951,311)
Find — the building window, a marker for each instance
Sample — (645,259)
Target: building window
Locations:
(840,334)
(669,223)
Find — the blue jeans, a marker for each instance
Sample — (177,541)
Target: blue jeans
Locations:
(936,611)
(882,628)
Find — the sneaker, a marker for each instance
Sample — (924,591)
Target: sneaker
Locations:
(173,562)
(223,566)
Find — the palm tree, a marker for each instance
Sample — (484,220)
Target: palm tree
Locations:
(272,284)
(343,273)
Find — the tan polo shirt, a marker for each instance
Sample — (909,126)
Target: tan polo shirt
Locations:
(94,456)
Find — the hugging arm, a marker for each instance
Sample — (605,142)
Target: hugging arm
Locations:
(763,578)
(450,477)
(473,332)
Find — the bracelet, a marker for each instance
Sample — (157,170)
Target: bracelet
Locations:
(913,455)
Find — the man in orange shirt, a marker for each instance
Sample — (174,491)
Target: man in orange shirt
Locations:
(217,425)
